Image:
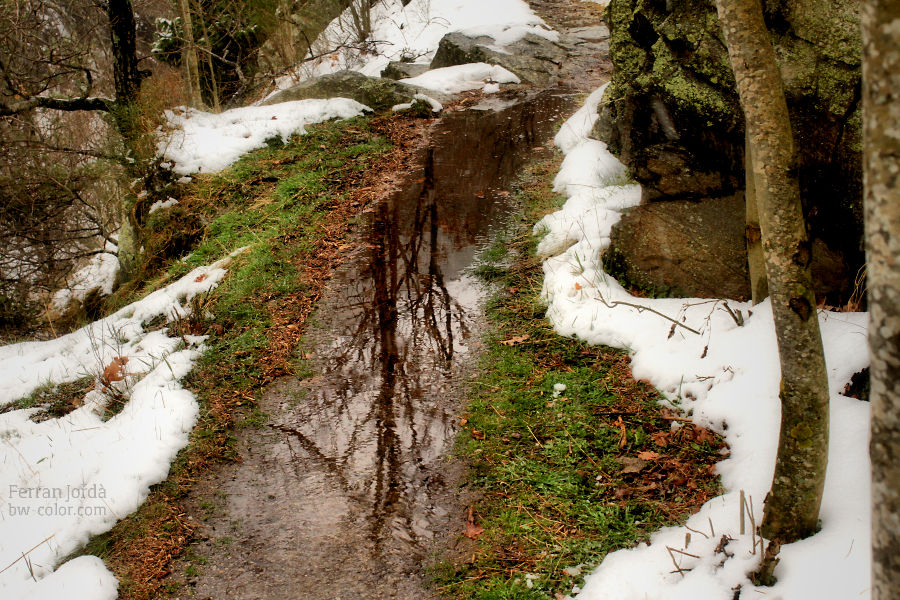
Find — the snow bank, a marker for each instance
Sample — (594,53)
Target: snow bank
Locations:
(728,378)
(65,479)
(98,274)
(412,33)
(205,142)
(459,78)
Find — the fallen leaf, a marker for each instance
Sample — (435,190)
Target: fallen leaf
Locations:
(115,370)
(577,286)
(648,455)
(200,278)
(631,464)
(478,435)
(518,339)
(463,421)
(624,435)
(471,530)
(660,438)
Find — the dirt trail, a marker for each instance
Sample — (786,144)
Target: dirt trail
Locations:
(348,492)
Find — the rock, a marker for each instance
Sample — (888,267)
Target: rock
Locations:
(672,113)
(533,59)
(682,248)
(596,33)
(696,249)
(403,70)
(375,92)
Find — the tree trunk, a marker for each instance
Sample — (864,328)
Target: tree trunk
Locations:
(792,506)
(189,56)
(759,285)
(881,156)
(126,74)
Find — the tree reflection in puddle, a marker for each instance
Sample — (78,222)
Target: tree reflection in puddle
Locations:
(391,336)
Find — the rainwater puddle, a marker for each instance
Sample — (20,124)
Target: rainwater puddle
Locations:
(350,490)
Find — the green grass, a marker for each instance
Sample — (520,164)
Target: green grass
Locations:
(54,400)
(547,463)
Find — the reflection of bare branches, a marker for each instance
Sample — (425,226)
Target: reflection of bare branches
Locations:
(379,423)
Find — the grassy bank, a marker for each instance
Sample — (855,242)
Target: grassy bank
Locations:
(288,205)
(571,456)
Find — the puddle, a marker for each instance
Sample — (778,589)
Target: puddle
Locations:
(350,489)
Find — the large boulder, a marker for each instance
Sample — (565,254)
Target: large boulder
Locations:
(683,248)
(533,59)
(375,92)
(672,113)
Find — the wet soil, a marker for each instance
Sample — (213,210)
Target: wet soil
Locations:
(349,490)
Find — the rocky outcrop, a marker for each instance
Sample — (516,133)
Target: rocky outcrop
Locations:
(375,92)
(533,59)
(672,113)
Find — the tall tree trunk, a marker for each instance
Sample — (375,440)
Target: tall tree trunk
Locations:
(759,285)
(126,75)
(792,506)
(881,151)
(189,56)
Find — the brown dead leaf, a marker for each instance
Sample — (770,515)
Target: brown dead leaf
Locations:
(630,464)
(478,435)
(115,370)
(648,455)
(471,530)
(517,339)
(577,286)
(200,278)
(624,435)
(660,438)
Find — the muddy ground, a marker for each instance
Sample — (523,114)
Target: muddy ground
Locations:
(349,490)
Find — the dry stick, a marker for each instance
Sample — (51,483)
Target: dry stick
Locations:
(534,436)
(47,539)
(696,531)
(641,308)
(674,562)
(741,511)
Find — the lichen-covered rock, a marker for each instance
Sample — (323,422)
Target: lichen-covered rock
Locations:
(375,92)
(533,59)
(672,113)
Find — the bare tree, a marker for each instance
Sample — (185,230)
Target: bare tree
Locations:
(68,79)
(881,135)
(792,506)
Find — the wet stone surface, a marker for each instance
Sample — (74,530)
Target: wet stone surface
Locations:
(349,491)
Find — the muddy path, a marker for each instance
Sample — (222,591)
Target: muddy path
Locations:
(349,490)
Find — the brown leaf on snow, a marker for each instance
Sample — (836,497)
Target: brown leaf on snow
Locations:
(200,278)
(517,339)
(115,370)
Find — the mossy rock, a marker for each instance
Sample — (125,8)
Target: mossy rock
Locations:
(672,113)
(375,92)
